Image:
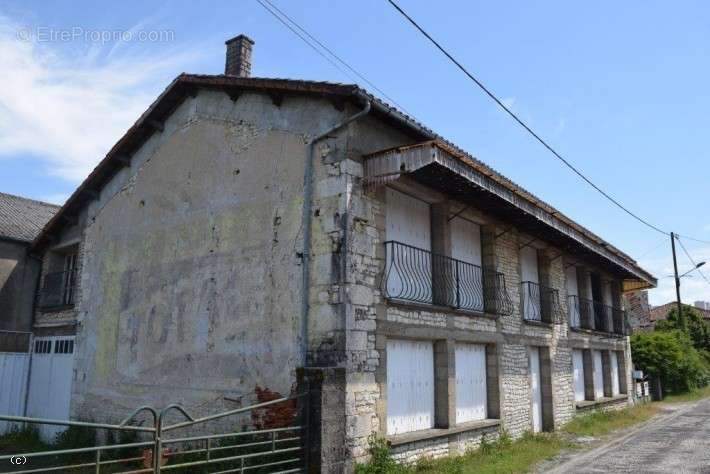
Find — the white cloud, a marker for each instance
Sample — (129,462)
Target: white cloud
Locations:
(69,109)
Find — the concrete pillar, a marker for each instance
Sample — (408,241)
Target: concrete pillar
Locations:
(489,266)
(606,372)
(445,383)
(324,414)
(492,381)
(621,362)
(548,421)
(588,374)
(546,299)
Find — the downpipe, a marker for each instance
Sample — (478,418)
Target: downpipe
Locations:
(306,223)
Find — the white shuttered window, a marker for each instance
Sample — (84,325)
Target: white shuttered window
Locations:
(408,222)
(578,368)
(614,365)
(598,374)
(536,388)
(410,386)
(529,273)
(471,392)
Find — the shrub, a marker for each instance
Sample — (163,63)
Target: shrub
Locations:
(381,461)
(671,356)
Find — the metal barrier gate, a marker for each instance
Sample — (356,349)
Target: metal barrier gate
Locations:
(275,450)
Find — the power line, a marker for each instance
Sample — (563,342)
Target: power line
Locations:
(280,15)
(693,261)
(520,121)
(660,244)
(694,239)
(302,38)
(284,18)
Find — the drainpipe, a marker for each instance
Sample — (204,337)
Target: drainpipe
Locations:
(306,222)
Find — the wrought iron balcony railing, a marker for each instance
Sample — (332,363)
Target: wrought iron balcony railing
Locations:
(58,290)
(580,312)
(588,314)
(418,275)
(540,303)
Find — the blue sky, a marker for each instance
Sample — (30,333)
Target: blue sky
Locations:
(620,88)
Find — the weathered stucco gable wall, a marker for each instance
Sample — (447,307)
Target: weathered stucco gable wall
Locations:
(191,274)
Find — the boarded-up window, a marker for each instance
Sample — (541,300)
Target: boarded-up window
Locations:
(614,367)
(410,386)
(598,375)
(409,253)
(536,388)
(467,275)
(530,278)
(578,370)
(471,388)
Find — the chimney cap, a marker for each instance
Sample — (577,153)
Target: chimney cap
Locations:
(239,38)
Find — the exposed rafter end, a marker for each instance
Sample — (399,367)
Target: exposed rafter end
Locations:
(277,99)
(91,193)
(157,125)
(234,95)
(123,160)
(69,219)
(338,104)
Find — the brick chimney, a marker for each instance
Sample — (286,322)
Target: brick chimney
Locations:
(238,56)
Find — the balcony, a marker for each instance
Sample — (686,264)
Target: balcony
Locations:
(58,290)
(420,276)
(592,315)
(540,303)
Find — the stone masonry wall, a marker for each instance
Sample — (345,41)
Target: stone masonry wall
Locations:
(366,399)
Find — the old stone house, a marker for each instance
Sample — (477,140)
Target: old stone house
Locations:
(247,233)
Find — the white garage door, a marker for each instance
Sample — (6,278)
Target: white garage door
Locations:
(536,387)
(578,370)
(614,363)
(598,375)
(471,393)
(13,386)
(51,382)
(410,386)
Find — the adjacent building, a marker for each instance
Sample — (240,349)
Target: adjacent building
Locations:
(21,220)
(248,235)
(659,313)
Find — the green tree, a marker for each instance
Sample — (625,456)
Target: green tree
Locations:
(670,355)
(695,326)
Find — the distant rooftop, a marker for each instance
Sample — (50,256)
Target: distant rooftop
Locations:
(22,219)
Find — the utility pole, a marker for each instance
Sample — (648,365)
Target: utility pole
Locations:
(681,319)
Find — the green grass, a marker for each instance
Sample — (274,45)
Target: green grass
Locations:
(500,456)
(599,423)
(691,396)
(504,456)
